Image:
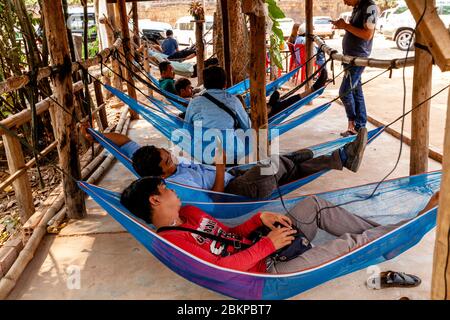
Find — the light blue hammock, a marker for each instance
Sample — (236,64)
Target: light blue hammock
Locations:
(275,119)
(188,193)
(183,69)
(394,201)
(167,124)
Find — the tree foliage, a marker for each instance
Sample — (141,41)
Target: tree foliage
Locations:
(276,34)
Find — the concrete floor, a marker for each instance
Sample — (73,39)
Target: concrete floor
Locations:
(96,259)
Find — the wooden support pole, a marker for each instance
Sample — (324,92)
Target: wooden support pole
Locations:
(200,46)
(100,101)
(135,15)
(420,119)
(121,6)
(147,67)
(226,42)
(257,72)
(309,7)
(21,185)
(440,285)
(110,29)
(65,122)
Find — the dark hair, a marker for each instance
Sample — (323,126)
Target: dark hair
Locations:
(181,83)
(214,77)
(163,66)
(169,33)
(135,197)
(146,161)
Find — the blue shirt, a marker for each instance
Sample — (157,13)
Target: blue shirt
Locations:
(188,173)
(169,46)
(364,14)
(212,116)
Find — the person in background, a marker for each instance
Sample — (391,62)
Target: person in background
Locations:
(357,42)
(184,89)
(169,45)
(167,81)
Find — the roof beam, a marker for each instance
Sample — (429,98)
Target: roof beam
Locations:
(435,34)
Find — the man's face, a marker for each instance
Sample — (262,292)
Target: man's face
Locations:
(167,199)
(351,3)
(168,163)
(169,73)
(186,92)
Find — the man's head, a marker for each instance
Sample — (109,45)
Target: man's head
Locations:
(166,70)
(150,200)
(214,77)
(184,88)
(169,33)
(153,161)
(352,3)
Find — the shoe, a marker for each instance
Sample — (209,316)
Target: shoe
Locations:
(300,155)
(274,98)
(355,150)
(348,133)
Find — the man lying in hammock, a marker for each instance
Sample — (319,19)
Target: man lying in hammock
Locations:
(150,200)
(253,183)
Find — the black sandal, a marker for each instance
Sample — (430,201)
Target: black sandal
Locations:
(348,133)
(393,279)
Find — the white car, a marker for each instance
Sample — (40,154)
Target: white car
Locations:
(184,31)
(400,24)
(383,19)
(322,26)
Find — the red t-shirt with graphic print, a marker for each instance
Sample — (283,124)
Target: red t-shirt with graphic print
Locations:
(251,259)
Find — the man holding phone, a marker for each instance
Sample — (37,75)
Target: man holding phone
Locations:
(357,42)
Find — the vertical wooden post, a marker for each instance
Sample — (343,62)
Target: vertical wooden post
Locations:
(110,29)
(200,51)
(122,9)
(420,120)
(21,185)
(65,122)
(100,101)
(309,7)
(147,67)
(136,38)
(440,285)
(257,73)
(226,42)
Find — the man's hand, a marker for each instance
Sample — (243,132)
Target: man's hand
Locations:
(269,219)
(83,131)
(339,24)
(219,156)
(281,237)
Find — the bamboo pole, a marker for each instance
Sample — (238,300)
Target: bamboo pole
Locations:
(420,117)
(122,10)
(200,51)
(65,123)
(440,285)
(18,82)
(364,62)
(309,7)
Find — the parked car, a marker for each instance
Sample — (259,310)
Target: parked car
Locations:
(400,24)
(286,25)
(383,19)
(184,31)
(76,21)
(322,26)
(153,30)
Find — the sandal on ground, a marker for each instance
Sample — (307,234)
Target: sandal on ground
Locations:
(348,133)
(393,279)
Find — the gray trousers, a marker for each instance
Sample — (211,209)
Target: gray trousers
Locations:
(353,231)
(259,184)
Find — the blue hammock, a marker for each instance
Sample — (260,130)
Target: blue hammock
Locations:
(275,119)
(394,201)
(169,124)
(188,193)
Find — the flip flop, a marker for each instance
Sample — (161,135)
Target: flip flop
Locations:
(393,279)
(348,133)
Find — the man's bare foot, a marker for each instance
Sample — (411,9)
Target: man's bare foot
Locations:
(433,202)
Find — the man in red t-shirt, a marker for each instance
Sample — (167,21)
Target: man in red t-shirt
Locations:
(150,200)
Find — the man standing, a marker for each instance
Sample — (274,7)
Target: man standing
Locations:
(357,42)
